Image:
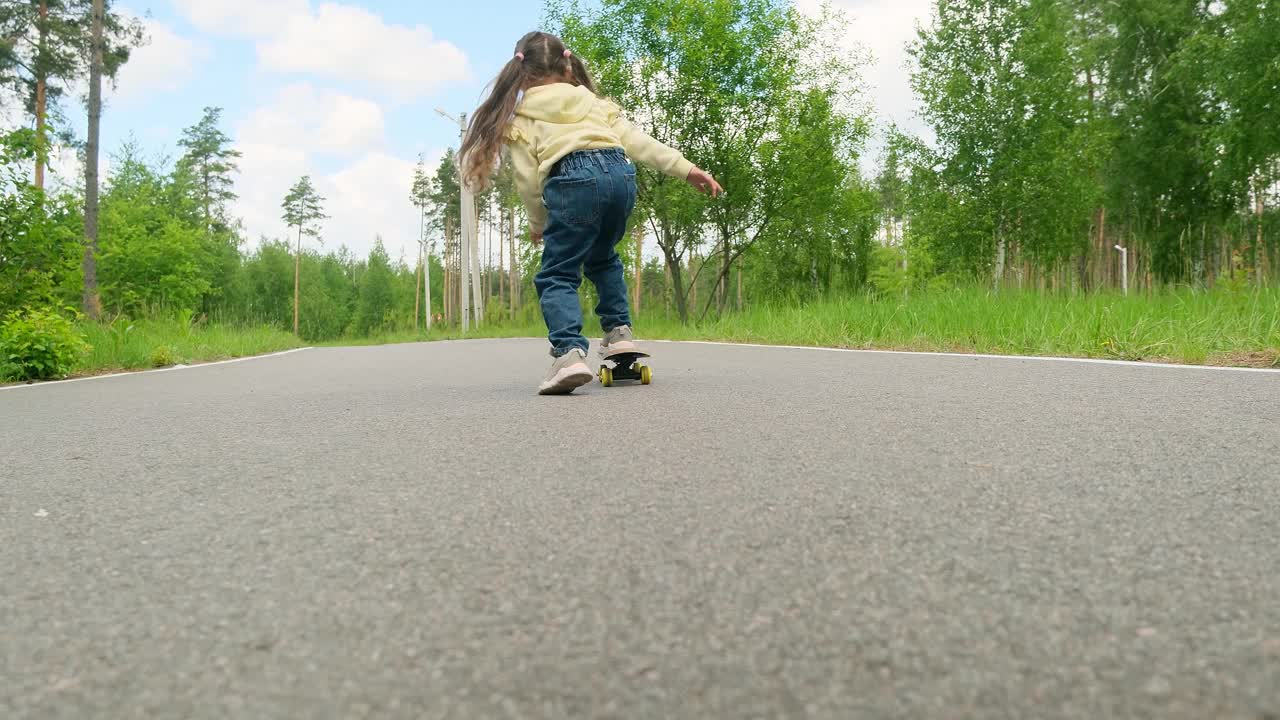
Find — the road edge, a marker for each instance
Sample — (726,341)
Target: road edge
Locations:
(172,368)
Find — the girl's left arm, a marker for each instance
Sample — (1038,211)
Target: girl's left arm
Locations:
(524,161)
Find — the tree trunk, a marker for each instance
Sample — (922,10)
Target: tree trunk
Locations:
(677,289)
(739,286)
(1259,247)
(638,234)
(722,285)
(42,104)
(208,211)
(417,289)
(666,291)
(998,275)
(448,272)
(91,301)
(516,290)
(502,262)
(693,287)
(297,281)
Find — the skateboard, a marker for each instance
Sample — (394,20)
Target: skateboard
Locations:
(625,367)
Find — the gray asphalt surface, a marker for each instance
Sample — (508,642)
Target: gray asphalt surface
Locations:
(409,532)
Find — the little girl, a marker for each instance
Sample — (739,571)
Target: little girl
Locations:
(570,150)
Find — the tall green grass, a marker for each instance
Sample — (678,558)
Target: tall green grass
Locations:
(137,344)
(1185,326)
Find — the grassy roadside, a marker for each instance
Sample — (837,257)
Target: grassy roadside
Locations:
(143,344)
(1180,327)
(1222,328)
(1184,326)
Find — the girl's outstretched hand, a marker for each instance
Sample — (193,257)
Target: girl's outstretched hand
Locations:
(535,237)
(702,180)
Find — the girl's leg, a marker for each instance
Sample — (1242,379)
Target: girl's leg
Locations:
(557,284)
(603,266)
(569,238)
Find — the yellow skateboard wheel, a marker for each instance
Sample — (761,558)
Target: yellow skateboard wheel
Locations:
(606,377)
(646,375)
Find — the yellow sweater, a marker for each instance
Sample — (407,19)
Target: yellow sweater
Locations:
(555,120)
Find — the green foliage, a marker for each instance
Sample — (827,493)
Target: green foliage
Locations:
(757,94)
(154,251)
(889,273)
(374,308)
(54,47)
(210,162)
(37,232)
(1016,154)
(304,208)
(38,345)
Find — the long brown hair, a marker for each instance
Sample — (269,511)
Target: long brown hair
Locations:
(544,57)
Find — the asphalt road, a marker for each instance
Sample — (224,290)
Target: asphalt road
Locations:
(410,532)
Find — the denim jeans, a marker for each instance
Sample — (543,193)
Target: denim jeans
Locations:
(589,196)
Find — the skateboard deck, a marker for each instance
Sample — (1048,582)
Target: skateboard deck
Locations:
(625,369)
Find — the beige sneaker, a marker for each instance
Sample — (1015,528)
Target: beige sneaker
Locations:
(568,373)
(617,341)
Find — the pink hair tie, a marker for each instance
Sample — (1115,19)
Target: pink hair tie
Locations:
(520,56)
(568,53)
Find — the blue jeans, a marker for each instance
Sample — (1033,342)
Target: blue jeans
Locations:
(589,196)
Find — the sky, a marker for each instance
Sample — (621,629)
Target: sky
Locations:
(346,91)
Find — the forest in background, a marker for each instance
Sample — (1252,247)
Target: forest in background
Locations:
(1062,130)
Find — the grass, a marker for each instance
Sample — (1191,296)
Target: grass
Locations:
(1181,326)
(1177,326)
(140,344)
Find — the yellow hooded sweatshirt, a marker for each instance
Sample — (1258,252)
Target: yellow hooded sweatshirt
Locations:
(554,120)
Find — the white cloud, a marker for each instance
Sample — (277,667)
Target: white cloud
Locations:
(320,120)
(350,43)
(292,137)
(241,17)
(165,63)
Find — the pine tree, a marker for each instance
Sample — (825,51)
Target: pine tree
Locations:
(46,47)
(303,209)
(211,162)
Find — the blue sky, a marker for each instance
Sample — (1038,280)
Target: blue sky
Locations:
(345,91)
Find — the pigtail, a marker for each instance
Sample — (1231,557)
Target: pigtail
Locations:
(538,55)
(483,142)
(580,73)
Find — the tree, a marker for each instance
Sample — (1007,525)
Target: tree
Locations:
(1225,56)
(304,210)
(375,292)
(445,215)
(91,302)
(37,233)
(152,253)
(211,161)
(1015,155)
(46,46)
(718,81)
(420,196)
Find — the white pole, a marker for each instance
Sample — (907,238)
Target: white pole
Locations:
(468,217)
(1124,268)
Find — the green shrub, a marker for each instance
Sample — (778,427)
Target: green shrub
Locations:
(163,356)
(38,345)
(888,276)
